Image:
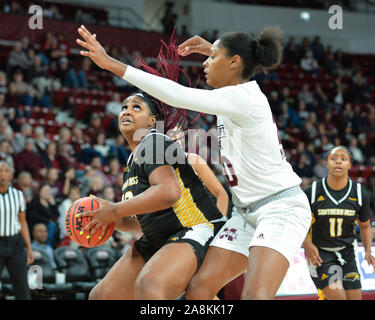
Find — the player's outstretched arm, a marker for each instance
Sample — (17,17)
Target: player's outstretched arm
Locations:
(96,53)
(219,102)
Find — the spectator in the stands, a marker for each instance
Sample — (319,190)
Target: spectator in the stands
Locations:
(49,156)
(17,59)
(339,94)
(69,179)
(6,131)
(96,186)
(14,7)
(102,147)
(287,98)
(291,51)
(113,171)
(63,44)
(43,209)
(65,156)
(125,56)
(53,52)
(302,168)
(320,96)
(39,243)
(3,108)
(94,127)
(73,195)
(38,72)
(79,143)
(275,102)
(367,149)
(6,152)
(306,95)
(169,18)
(357,154)
(68,77)
(302,112)
(317,48)
(332,65)
(309,64)
(117,186)
(3,83)
(41,141)
(361,90)
(21,92)
(305,46)
(320,169)
(290,116)
(52,12)
(345,62)
(119,150)
(52,178)
(31,161)
(113,107)
(25,183)
(19,141)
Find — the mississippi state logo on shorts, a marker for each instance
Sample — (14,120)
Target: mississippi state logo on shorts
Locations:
(229,234)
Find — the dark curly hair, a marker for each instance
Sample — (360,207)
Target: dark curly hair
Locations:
(259,53)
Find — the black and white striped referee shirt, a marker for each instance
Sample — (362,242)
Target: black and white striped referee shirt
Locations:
(12,203)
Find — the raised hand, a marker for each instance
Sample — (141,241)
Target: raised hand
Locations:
(194,44)
(95,50)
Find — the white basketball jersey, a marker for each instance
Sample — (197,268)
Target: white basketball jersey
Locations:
(252,155)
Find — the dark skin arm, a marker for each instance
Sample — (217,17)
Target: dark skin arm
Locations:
(25,234)
(366,236)
(162,194)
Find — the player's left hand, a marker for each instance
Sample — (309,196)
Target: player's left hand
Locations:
(370,260)
(101,217)
(95,51)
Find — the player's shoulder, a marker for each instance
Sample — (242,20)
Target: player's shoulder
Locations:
(315,185)
(154,140)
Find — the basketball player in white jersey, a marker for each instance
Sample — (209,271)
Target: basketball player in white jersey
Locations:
(272,216)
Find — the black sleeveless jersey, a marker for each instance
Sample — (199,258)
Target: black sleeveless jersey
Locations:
(195,205)
(336,213)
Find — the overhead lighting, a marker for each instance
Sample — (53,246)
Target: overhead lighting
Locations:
(305,16)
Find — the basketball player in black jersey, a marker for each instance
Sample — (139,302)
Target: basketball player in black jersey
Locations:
(337,203)
(161,193)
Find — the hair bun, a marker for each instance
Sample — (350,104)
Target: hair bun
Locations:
(269,47)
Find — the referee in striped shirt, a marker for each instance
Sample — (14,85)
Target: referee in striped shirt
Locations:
(14,234)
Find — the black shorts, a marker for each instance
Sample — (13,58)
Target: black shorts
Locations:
(199,237)
(341,267)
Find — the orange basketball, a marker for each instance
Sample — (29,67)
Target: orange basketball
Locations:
(74,225)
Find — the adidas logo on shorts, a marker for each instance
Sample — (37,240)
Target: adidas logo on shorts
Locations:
(260,236)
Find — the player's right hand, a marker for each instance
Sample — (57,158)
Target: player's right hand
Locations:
(312,255)
(194,44)
(95,50)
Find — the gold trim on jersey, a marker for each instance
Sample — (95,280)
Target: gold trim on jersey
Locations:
(186,209)
(313,220)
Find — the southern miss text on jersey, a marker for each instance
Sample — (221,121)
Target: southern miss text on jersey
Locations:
(195,206)
(336,213)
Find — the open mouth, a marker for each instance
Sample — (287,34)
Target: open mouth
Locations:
(126,121)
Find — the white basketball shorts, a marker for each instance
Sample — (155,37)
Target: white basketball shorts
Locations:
(281,225)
